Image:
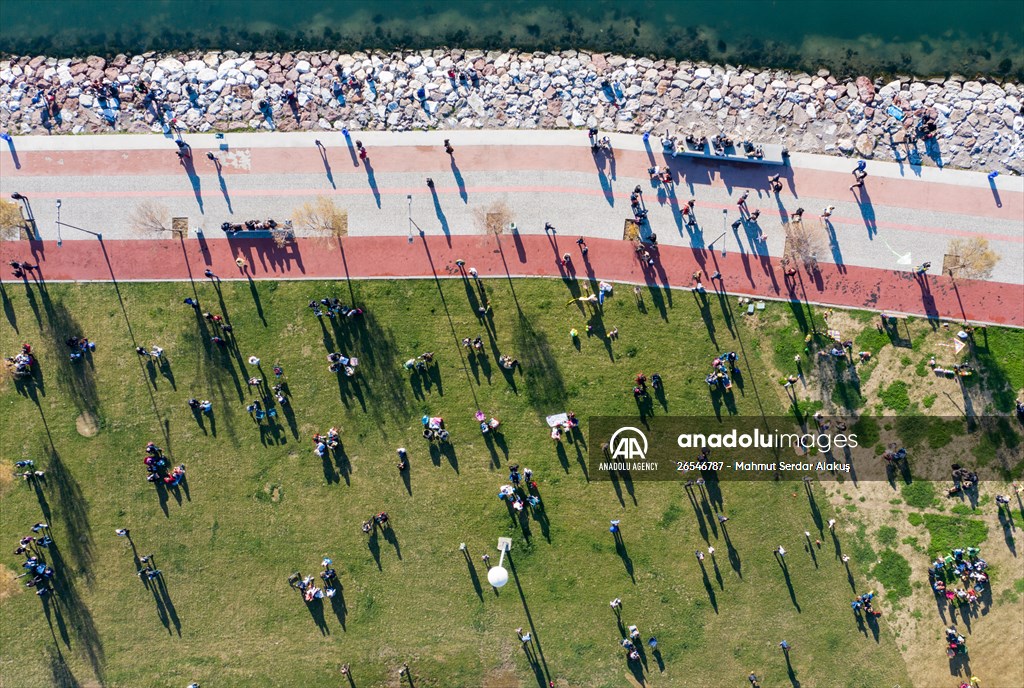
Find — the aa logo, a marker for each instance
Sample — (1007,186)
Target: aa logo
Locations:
(629,443)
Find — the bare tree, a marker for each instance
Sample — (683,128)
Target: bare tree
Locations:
(970,258)
(804,241)
(11,220)
(150,217)
(495,218)
(322,218)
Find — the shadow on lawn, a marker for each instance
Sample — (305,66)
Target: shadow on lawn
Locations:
(542,378)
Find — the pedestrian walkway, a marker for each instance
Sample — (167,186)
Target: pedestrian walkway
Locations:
(517,255)
(901,218)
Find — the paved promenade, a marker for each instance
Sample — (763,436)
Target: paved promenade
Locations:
(904,216)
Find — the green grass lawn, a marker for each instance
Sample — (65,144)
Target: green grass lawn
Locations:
(260,505)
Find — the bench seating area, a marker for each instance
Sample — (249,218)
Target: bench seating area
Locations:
(773,154)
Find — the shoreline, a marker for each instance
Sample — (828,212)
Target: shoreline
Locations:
(978,124)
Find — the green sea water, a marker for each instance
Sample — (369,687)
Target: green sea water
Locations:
(925,37)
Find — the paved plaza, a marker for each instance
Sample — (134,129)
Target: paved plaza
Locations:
(903,217)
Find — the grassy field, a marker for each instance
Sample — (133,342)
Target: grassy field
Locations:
(259,504)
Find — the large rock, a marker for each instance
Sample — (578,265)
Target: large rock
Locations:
(865,145)
(865,89)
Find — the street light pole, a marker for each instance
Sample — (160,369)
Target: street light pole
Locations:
(408,197)
(65,224)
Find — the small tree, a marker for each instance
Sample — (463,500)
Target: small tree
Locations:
(150,217)
(322,218)
(495,218)
(803,244)
(11,220)
(971,258)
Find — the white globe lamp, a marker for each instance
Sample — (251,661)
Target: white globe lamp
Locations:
(497,576)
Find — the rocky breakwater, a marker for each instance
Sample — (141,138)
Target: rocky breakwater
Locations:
(975,124)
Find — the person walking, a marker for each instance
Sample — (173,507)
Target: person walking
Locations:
(922,268)
(827,212)
(858,177)
(798,215)
(448,147)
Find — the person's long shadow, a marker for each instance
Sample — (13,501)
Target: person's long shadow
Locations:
(1006,521)
(371,179)
(867,212)
(327,164)
(833,243)
(351,151)
(316,610)
(168,605)
(991,185)
(256,298)
(440,217)
(459,181)
(374,546)
(389,535)
(702,526)
(223,186)
(627,561)
(709,588)
(193,178)
(339,607)
(789,582)
(473,575)
(718,573)
(14,153)
(606,185)
(791,672)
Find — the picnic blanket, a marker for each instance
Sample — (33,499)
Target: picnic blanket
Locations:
(557,420)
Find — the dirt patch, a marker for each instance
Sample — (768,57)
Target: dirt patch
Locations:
(8,583)
(6,480)
(501,678)
(87,424)
(917,621)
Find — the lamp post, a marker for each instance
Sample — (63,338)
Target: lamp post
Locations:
(60,224)
(408,197)
(497,576)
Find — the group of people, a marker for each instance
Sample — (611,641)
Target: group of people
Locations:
(307,586)
(39,573)
(475,345)
(379,520)
(631,643)
(79,346)
(513,492)
(570,424)
(31,473)
(434,430)
(251,225)
(339,362)
(959,576)
(487,426)
(862,603)
(333,308)
(158,468)
(640,385)
(603,144)
(21,364)
(956,644)
(321,443)
(421,362)
(965,480)
(721,367)
(20,268)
